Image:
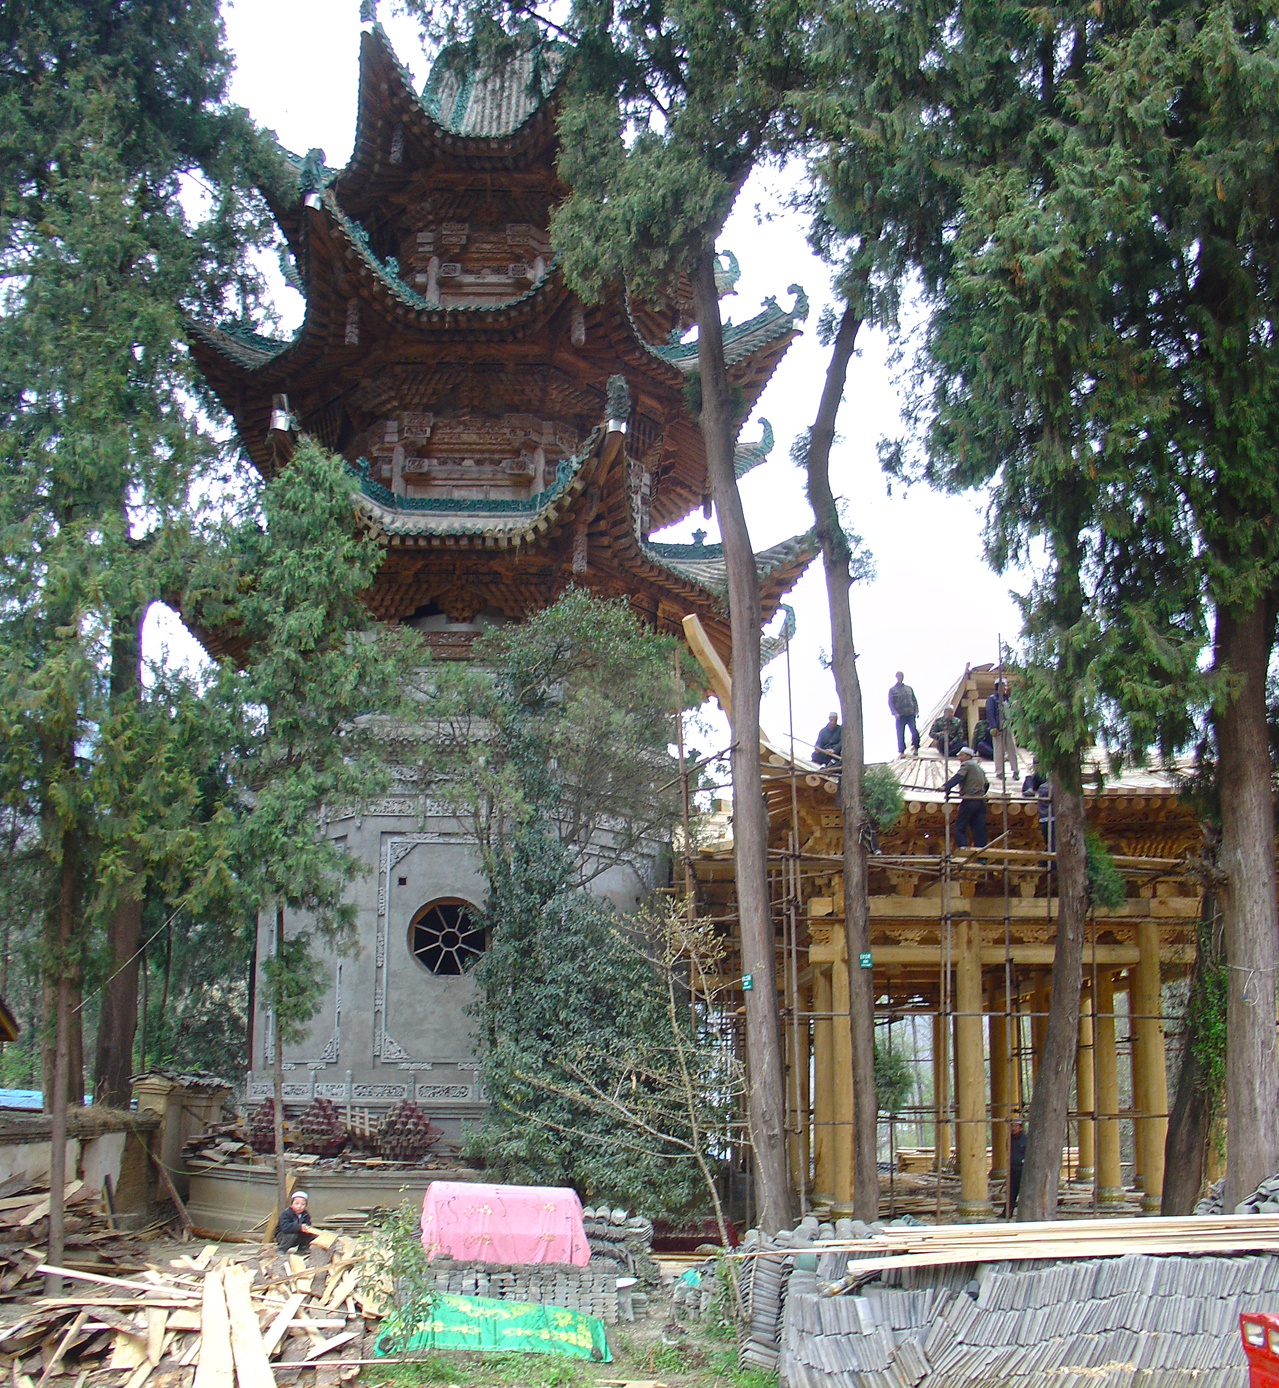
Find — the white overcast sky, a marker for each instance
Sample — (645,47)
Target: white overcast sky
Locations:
(933,605)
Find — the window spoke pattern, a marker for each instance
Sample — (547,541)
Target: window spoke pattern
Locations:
(444,939)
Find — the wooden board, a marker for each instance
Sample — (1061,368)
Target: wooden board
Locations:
(252,1367)
(215,1367)
(275,1332)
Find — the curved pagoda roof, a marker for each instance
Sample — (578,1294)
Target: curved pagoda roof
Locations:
(432,292)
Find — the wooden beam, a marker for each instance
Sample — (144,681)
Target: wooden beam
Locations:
(707,656)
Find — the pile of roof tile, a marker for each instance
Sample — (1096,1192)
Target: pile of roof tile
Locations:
(1142,1321)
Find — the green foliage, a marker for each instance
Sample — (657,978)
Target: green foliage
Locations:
(296,717)
(1206,1013)
(894,1076)
(881,796)
(1106,886)
(106,112)
(397,1254)
(572,775)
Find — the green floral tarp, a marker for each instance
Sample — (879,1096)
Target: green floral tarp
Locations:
(480,1322)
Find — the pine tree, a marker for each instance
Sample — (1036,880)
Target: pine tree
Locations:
(104,108)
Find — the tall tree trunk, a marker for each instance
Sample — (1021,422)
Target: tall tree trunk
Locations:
(118,1015)
(774,1198)
(277,1074)
(1195,1104)
(1244,639)
(835,562)
(64,925)
(1050,1102)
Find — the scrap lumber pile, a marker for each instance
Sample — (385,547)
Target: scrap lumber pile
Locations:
(252,1319)
(91,1241)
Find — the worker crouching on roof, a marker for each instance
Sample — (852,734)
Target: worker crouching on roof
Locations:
(970,823)
(292,1229)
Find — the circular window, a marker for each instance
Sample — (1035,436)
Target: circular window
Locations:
(443,937)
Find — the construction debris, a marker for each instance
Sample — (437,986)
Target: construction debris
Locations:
(90,1241)
(205,1321)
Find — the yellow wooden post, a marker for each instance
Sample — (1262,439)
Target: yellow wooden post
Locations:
(1110,1186)
(941,1093)
(1084,1089)
(823,1090)
(970,1076)
(1148,1029)
(998,1081)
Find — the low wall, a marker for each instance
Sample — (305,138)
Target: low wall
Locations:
(241,1198)
(100,1142)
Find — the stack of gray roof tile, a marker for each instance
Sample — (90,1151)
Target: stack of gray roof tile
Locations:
(1167,1321)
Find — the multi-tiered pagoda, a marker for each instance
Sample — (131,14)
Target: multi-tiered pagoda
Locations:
(509,441)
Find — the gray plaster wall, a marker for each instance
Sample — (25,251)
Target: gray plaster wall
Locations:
(388,1028)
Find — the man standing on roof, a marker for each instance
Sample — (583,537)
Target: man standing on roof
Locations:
(1004,742)
(830,742)
(970,822)
(905,709)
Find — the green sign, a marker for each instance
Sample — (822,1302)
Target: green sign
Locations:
(747,983)
(864,959)
(470,1322)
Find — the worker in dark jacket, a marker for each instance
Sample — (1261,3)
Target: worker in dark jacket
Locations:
(1042,789)
(904,707)
(830,742)
(947,733)
(1016,1157)
(292,1229)
(970,780)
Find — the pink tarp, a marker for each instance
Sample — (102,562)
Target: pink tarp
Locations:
(503,1224)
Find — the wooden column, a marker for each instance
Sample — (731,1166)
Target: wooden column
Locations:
(970,1076)
(1084,1089)
(798,1060)
(941,1091)
(1110,1187)
(999,1077)
(1146,1006)
(842,1064)
(823,1089)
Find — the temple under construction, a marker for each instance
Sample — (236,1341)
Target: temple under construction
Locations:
(962,945)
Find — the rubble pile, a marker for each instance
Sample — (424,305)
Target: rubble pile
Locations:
(406,1134)
(207,1311)
(91,1240)
(320,1131)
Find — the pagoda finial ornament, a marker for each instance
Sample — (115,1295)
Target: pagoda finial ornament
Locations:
(368,11)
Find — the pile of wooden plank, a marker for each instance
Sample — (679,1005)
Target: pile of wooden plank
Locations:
(91,1239)
(938,1244)
(251,1319)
